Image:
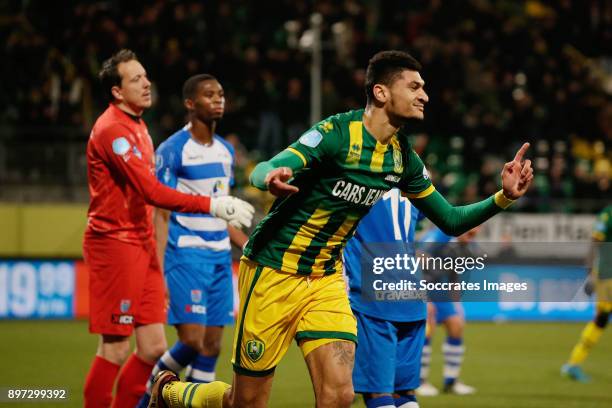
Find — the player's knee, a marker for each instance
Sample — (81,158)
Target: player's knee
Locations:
(211,346)
(455,326)
(347,397)
(246,399)
(114,349)
(601,319)
(153,351)
(336,396)
(194,341)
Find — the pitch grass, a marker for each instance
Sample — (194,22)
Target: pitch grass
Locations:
(512,365)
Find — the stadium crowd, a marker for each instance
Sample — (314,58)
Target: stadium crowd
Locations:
(498,72)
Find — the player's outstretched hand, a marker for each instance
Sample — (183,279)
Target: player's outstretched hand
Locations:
(236,212)
(276,180)
(517,175)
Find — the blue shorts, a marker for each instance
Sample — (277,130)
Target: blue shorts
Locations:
(388,356)
(444,310)
(200,293)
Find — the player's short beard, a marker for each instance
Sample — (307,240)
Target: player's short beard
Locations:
(397,120)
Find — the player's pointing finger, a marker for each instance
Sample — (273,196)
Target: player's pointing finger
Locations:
(521,152)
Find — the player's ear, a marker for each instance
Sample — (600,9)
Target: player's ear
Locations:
(381,93)
(188,103)
(117,94)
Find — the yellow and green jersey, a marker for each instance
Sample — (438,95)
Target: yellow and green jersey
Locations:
(346,170)
(602,232)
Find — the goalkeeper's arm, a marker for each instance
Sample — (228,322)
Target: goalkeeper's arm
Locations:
(455,220)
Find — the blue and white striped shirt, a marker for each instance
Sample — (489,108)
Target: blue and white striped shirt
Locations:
(191,167)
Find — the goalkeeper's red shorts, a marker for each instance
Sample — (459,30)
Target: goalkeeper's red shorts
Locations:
(126,285)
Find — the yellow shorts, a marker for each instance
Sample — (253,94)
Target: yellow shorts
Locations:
(277,307)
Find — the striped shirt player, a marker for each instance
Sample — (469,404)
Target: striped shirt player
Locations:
(341,170)
(326,182)
(196,249)
(191,167)
(391,334)
(197,260)
(348,170)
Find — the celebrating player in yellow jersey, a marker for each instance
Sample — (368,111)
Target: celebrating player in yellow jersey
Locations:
(290,288)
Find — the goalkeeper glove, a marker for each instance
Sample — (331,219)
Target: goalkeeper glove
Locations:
(236,212)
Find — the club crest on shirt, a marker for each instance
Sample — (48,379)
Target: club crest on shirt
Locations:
(124,305)
(196,295)
(398,166)
(311,139)
(159,162)
(354,154)
(255,349)
(121,146)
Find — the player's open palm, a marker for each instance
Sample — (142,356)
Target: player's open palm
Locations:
(276,180)
(517,175)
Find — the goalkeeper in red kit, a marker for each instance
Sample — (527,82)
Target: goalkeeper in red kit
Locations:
(126,284)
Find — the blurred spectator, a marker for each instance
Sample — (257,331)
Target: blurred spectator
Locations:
(498,72)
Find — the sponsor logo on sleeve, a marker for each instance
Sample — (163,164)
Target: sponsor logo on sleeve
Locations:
(425,173)
(327,126)
(121,146)
(311,138)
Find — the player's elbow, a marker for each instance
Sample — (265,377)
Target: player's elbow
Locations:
(149,195)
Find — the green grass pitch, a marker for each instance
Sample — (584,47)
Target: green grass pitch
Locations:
(512,365)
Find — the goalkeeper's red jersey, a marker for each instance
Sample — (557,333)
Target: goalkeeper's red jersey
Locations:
(122,185)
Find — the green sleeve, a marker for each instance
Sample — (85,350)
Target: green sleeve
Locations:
(415,180)
(455,220)
(284,159)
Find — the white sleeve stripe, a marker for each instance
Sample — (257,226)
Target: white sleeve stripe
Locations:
(202,223)
(194,241)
